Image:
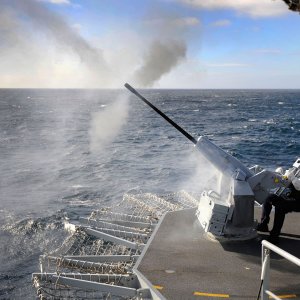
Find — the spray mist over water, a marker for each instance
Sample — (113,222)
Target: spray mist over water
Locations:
(106,124)
(205,177)
(204,173)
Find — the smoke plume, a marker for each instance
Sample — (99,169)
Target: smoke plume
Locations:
(40,48)
(59,29)
(51,30)
(159,60)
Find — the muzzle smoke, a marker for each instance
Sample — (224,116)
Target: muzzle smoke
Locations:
(160,59)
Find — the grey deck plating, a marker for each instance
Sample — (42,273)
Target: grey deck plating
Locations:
(184,264)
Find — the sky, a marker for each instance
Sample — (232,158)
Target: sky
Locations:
(184,44)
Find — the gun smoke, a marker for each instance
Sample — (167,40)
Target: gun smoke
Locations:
(42,49)
(55,32)
(38,39)
(160,59)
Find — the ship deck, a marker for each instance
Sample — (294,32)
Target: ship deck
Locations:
(183,263)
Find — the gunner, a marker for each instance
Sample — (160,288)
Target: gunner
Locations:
(285,200)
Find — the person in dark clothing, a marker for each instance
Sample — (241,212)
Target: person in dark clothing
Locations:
(284,200)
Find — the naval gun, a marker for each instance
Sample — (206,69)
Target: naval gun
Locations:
(227,212)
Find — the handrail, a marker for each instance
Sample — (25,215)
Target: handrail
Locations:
(282,253)
(265,272)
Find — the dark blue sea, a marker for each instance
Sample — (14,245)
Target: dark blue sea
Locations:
(64,153)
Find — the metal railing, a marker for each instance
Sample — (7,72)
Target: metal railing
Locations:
(267,247)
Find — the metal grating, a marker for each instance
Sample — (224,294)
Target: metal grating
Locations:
(97,260)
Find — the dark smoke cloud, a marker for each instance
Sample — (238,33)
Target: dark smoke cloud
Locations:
(161,57)
(167,46)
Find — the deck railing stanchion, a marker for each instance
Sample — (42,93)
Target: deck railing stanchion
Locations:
(267,247)
(265,272)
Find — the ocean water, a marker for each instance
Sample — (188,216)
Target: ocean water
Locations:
(51,169)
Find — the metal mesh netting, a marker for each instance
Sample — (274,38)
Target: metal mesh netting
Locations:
(62,264)
(80,243)
(111,233)
(52,291)
(48,286)
(145,207)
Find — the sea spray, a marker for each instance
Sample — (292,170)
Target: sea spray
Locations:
(107,123)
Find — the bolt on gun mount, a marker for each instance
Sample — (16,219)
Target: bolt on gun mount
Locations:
(228,212)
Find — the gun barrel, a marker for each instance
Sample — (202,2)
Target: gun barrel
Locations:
(222,160)
(180,129)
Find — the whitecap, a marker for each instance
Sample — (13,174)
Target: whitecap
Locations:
(270,121)
(77,186)
(81,203)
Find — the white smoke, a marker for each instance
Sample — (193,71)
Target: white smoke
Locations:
(47,31)
(203,176)
(41,49)
(106,124)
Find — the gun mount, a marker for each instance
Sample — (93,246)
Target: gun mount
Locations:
(228,211)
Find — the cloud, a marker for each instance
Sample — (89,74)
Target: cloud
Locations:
(67,2)
(254,8)
(62,2)
(177,22)
(189,21)
(221,23)
(228,65)
(268,51)
(59,2)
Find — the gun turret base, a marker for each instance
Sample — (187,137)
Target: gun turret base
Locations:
(227,239)
(227,220)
